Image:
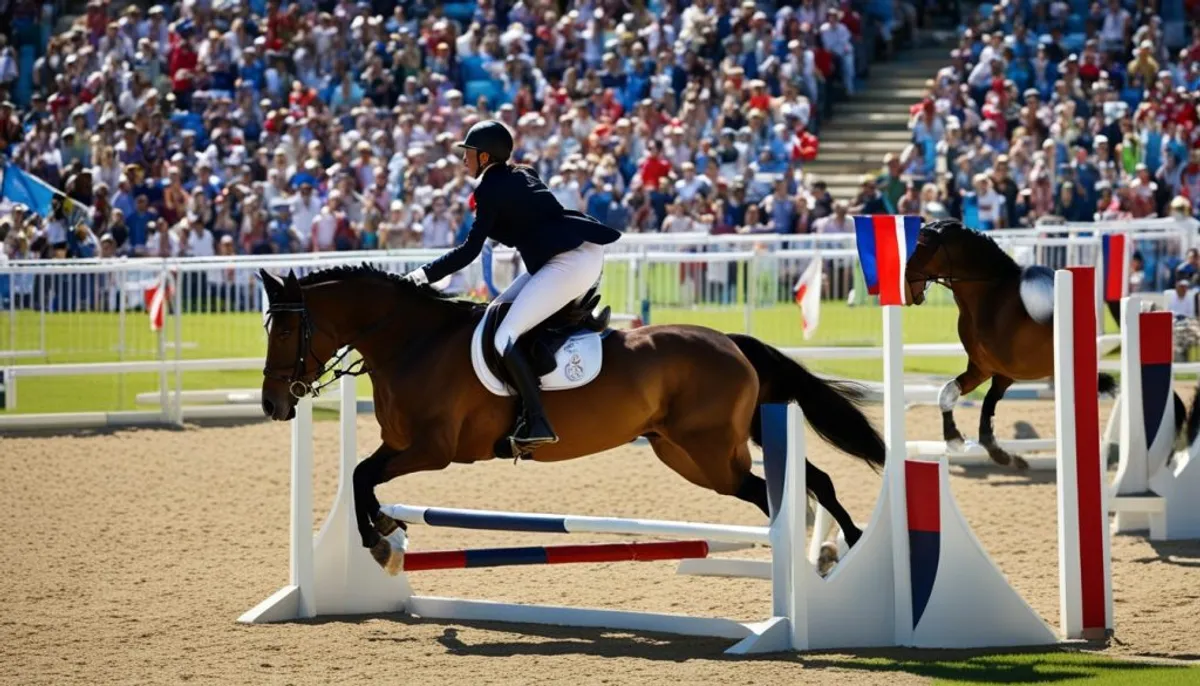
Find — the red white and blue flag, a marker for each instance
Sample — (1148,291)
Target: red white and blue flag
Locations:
(885,242)
(807,293)
(1118,256)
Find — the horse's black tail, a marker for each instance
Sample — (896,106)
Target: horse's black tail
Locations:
(831,407)
(1180,414)
(1107,384)
(1193,419)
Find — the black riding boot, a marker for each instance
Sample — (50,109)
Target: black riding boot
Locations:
(533,430)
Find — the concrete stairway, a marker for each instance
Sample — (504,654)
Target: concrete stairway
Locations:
(874,121)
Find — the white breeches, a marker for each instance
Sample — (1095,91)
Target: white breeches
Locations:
(535,297)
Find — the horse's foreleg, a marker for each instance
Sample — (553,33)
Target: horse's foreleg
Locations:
(948,398)
(987,434)
(366,506)
(383,535)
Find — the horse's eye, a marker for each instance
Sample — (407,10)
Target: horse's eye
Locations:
(285,333)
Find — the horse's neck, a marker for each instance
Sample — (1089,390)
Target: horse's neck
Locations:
(973,296)
(380,324)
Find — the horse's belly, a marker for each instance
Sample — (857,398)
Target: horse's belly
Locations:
(1026,358)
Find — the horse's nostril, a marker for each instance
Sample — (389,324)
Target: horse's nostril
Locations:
(268,407)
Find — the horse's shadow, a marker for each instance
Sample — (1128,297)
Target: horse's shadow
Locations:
(1024,478)
(1008,665)
(1176,553)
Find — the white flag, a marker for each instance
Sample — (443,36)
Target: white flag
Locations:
(807,293)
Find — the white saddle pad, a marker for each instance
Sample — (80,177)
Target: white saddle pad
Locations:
(576,363)
(1037,293)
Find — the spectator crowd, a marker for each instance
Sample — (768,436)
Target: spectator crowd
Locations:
(227,127)
(1062,110)
(264,126)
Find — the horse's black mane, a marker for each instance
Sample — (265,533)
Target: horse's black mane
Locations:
(991,257)
(367,271)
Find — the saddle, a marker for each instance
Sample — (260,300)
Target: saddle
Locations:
(575,323)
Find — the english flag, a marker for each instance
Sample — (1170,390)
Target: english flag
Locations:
(807,292)
(1118,256)
(885,243)
(156,303)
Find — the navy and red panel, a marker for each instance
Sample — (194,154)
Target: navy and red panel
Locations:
(1155,329)
(923,499)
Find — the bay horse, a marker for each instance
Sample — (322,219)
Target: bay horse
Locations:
(1005,322)
(692,391)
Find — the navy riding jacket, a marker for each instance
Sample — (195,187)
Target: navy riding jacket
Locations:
(514,207)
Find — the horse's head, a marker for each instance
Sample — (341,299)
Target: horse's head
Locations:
(296,350)
(930,261)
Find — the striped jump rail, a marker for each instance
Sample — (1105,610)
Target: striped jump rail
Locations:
(572,524)
(555,555)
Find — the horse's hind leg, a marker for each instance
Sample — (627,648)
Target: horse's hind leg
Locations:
(948,398)
(710,465)
(987,434)
(821,486)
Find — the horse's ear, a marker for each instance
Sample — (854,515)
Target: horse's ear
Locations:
(291,285)
(271,284)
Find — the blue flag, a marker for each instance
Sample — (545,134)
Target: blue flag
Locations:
(21,187)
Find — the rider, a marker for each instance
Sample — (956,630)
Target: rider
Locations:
(562,250)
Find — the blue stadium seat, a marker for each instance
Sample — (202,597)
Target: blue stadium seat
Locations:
(489,88)
(459,11)
(1172,10)
(1073,42)
(24,89)
(1075,24)
(986,9)
(472,69)
(191,121)
(1132,97)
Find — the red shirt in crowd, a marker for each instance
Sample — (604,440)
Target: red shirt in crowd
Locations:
(653,169)
(823,60)
(804,147)
(182,57)
(852,21)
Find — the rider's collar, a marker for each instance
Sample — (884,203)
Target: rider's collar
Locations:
(490,166)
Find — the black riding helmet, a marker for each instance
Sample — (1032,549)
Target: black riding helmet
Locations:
(489,136)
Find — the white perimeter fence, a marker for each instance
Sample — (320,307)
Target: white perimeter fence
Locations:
(85,322)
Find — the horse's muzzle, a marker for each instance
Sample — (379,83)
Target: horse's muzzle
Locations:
(277,412)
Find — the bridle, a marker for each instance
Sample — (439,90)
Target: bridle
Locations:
(294,377)
(948,279)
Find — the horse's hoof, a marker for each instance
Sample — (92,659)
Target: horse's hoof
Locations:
(398,541)
(956,444)
(999,455)
(1003,458)
(389,551)
(827,559)
(385,525)
(381,551)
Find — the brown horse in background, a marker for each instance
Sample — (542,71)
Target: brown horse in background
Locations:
(693,392)
(1005,322)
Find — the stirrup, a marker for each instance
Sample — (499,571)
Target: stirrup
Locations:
(522,445)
